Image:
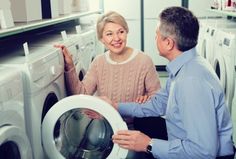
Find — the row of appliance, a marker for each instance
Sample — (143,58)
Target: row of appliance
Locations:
(217,43)
(38,121)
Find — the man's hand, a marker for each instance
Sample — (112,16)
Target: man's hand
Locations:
(131,140)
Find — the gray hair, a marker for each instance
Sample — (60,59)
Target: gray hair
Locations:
(180,24)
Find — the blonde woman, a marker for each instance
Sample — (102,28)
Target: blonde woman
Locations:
(122,73)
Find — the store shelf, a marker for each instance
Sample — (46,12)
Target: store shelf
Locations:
(23,27)
(225,13)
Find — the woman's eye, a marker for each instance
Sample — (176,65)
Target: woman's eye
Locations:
(109,34)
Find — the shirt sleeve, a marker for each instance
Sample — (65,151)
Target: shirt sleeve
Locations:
(156,106)
(196,105)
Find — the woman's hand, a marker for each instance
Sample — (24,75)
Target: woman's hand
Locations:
(142,99)
(67,57)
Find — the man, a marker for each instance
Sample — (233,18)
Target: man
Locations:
(198,122)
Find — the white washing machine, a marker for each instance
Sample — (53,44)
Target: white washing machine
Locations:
(14,142)
(84,42)
(43,71)
(223,62)
(75,41)
(87,125)
(72,42)
(208,29)
(88,47)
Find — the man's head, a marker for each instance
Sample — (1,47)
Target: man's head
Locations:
(180,25)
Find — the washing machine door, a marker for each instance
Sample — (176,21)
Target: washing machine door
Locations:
(82,126)
(80,70)
(14,143)
(219,67)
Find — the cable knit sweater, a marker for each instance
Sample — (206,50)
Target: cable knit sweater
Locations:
(121,82)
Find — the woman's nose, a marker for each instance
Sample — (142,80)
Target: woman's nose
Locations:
(116,37)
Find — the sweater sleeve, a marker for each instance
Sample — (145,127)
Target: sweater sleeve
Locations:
(87,86)
(152,81)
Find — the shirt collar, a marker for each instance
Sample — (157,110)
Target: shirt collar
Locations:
(174,66)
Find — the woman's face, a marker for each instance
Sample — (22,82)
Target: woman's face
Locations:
(114,37)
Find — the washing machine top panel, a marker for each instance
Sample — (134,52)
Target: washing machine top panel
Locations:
(35,54)
(41,66)
(82,126)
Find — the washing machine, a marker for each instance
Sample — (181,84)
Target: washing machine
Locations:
(75,40)
(14,142)
(43,74)
(73,43)
(86,49)
(223,62)
(87,125)
(87,46)
(207,32)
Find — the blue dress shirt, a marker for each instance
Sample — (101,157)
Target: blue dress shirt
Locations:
(198,121)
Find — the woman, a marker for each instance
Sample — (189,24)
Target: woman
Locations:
(122,73)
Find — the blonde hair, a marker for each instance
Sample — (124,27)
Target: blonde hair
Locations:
(110,17)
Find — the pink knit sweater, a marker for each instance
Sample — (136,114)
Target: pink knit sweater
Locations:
(120,82)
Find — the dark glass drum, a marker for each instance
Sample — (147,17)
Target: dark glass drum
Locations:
(83,133)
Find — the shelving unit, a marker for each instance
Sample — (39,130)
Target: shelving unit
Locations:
(23,27)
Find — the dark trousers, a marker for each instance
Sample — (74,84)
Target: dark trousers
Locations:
(227,157)
(155,127)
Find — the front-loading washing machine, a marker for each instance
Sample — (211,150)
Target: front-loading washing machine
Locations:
(87,46)
(87,125)
(207,32)
(75,41)
(88,49)
(52,38)
(223,62)
(14,142)
(84,40)
(43,73)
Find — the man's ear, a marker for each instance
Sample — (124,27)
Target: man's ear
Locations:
(170,43)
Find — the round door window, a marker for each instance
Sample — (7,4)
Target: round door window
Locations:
(83,133)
